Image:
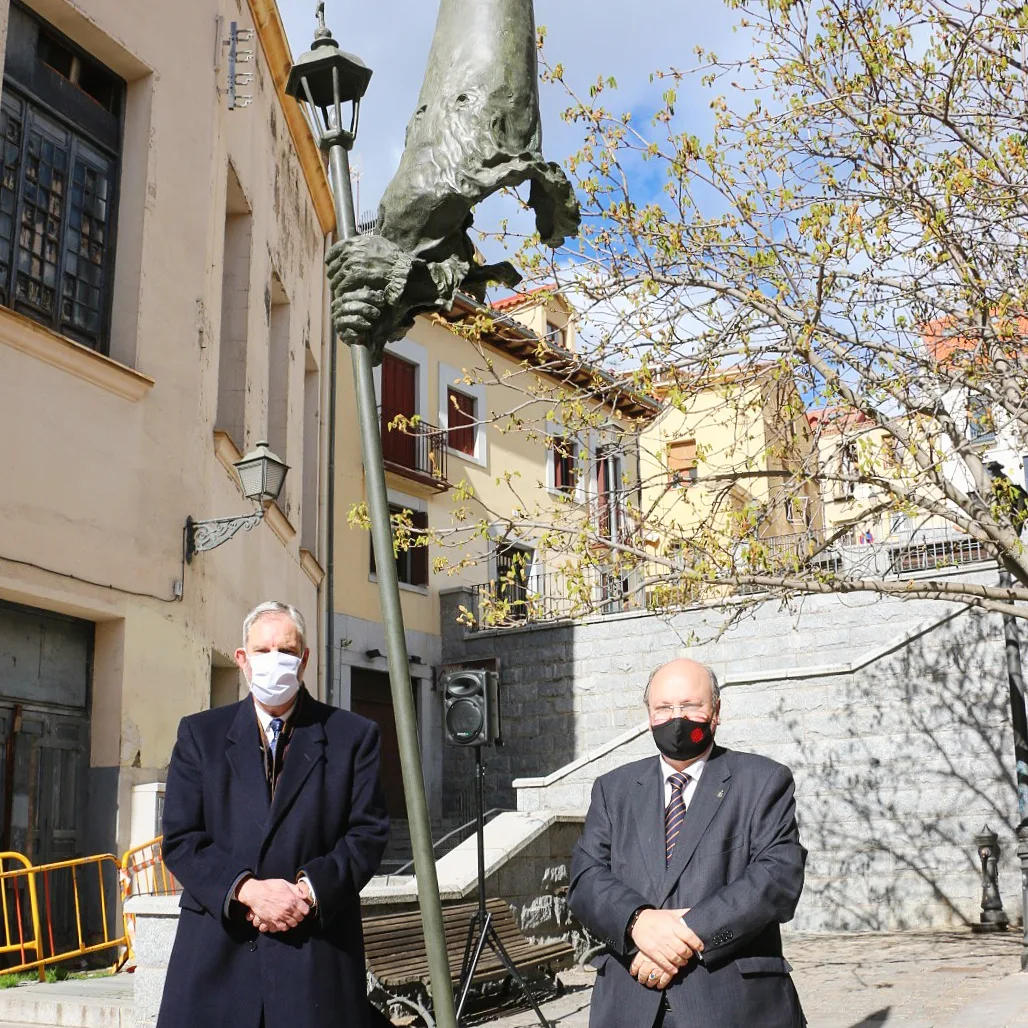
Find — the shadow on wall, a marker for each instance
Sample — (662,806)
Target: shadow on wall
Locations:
(898,767)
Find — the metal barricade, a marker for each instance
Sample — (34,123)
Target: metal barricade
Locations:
(51,911)
(142,873)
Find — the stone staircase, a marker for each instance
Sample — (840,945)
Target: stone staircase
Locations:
(102,1002)
(398,851)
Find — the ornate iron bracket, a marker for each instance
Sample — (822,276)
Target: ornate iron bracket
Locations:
(208,535)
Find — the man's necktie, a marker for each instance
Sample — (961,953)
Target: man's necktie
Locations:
(674,816)
(275,724)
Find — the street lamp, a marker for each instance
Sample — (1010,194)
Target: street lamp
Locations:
(262,474)
(325,82)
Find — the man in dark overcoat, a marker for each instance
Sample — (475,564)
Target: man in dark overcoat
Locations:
(274,820)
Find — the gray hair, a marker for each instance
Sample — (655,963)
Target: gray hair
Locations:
(715,685)
(274,607)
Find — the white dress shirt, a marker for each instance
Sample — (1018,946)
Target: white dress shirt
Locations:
(694,771)
(265,718)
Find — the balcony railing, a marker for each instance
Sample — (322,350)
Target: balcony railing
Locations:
(653,586)
(900,552)
(801,549)
(417,452)
(927,555)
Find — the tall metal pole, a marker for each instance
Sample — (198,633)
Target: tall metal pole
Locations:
(1018,715)
(396,642)
(1019,724)
(330,695)
(480,828)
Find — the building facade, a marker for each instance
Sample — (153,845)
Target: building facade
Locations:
(478,464)
(161,311)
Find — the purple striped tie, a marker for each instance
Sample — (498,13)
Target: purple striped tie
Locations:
(674,816)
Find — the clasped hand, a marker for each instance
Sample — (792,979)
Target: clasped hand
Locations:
(666,943)
(274,905)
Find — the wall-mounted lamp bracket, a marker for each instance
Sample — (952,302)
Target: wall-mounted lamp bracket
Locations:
(208,535)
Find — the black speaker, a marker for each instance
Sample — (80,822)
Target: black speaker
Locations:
(471,706)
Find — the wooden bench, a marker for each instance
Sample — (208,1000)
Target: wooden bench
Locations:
(397,963)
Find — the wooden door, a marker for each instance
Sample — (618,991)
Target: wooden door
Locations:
(399,396)
(370,697)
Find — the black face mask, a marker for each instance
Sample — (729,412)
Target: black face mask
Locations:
(682,739)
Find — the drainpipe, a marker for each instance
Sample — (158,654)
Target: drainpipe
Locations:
(329,694)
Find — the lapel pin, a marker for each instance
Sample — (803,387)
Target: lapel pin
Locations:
(720,794)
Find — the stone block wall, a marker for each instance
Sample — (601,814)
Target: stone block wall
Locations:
(535,881)
(893,716)
(527,863)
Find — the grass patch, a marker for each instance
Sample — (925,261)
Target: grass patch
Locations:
(53,974)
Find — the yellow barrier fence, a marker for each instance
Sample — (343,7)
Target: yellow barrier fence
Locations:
(50,912)
(143,873)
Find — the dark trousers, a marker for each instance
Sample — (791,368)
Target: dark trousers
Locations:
(665,1015)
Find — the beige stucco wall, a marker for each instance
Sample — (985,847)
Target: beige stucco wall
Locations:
(108,457)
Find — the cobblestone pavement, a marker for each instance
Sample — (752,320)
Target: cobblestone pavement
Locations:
(902,980)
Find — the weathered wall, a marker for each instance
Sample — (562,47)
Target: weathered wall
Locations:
(893,718)
(114,452)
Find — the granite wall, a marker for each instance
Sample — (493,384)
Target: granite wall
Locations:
(893,716)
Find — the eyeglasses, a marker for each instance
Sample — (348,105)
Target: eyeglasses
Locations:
(666,711)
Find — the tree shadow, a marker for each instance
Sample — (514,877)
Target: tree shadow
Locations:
(898,766)
(878,1017)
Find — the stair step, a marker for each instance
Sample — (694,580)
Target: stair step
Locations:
(77,1003)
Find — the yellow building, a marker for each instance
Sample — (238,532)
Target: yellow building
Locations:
(729,458)
(161,299)
(484,463)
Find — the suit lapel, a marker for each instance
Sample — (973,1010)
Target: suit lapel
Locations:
(647,808)
(246,760)
(710,792)
(306,749)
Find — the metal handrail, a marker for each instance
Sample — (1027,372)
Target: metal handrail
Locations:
(449,835)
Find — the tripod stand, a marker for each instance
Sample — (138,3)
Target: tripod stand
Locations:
(481,931)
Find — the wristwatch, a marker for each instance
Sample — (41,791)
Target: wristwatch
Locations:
(629,944)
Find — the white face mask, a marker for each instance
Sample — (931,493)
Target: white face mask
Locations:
(274,677)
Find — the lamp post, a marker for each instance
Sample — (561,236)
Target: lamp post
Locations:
(261,474)
(1017,499)
(328,83)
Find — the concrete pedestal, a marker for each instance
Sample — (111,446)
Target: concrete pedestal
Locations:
(156,924)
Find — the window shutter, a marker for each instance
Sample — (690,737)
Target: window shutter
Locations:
(419,554)
(460,418)
(564,464)
(681,460)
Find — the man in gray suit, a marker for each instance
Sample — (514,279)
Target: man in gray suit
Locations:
(687,865)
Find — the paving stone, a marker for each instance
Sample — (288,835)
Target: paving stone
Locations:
(901,980)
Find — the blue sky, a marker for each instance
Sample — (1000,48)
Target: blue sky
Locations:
(590,37)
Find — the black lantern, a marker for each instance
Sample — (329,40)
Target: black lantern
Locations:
(324,80)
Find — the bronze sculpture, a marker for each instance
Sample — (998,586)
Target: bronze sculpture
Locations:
(477,129)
